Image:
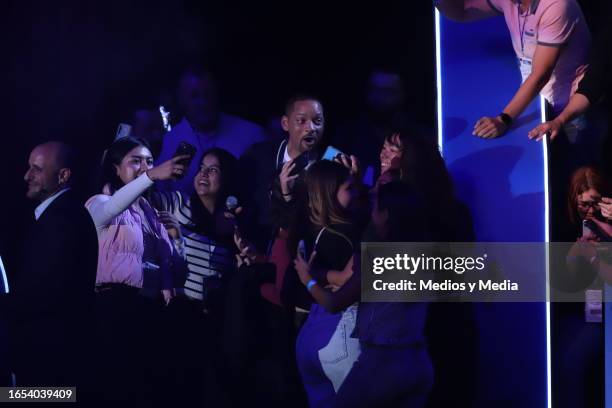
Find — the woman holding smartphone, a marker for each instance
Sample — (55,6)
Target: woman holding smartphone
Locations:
(577,327)
(134,277)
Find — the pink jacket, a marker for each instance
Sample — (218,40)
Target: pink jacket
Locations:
(119,222)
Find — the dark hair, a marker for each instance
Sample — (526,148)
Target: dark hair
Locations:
(423,168)
(113,157)
(406,208)
(299,98)
(228,165)
(323,180)
(584,179)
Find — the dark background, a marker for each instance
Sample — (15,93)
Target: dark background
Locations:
(74,69)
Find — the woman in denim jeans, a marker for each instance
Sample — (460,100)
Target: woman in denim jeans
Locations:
(394,367)
(325,351)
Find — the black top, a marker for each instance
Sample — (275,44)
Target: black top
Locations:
(596,82)
(335,247)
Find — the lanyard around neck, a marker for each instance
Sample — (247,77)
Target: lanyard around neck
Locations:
(522,29)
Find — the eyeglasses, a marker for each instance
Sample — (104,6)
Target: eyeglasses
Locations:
(589,204)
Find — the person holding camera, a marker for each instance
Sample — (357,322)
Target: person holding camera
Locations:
(577,329)
(272,172)
(197,314)
(134,276)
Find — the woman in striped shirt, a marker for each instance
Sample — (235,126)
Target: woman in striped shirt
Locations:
(197,312)
(200,222)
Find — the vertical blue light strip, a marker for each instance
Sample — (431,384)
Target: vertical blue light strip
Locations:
(4,279)
(546,224)
(547,240)
(438,78)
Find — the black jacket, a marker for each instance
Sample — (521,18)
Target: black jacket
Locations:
(52,294)
(259,170)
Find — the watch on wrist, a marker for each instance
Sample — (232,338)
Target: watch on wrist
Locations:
(507,119)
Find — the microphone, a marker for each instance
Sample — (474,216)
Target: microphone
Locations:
(231,203)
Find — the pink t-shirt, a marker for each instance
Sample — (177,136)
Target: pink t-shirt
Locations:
(554,23)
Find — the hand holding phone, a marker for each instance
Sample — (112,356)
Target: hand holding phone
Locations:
(185,149)
(302,249)
(333,154)
(301,162)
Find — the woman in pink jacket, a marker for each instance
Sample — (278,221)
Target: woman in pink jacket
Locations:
(134,278)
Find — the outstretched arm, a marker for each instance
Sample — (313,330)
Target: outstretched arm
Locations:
(544,61)
(466,10)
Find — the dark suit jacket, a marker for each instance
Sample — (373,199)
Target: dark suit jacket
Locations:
(51,300)
(260,166)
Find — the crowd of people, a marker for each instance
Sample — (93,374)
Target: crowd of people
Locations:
(219,266)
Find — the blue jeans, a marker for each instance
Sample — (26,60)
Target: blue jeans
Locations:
(325,353)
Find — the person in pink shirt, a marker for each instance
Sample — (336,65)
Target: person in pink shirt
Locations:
(551,40)
(134,248)
(134,278)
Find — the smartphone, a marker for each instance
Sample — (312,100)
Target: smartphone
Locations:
(302,250)
(123,130)
(300,163)
(331,154)
(587,228)
(185,149)
(590,228)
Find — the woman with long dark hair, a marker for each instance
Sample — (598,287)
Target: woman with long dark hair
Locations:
(198,312)
(200,220)
(134,277)
(412,157)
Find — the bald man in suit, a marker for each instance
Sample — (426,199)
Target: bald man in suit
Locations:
(52,288)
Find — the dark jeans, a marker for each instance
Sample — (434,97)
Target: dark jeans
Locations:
(578,359)
(258,346)
(196,374)
(385,376)
(130,357)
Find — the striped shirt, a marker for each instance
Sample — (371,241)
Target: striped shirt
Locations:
(206,258)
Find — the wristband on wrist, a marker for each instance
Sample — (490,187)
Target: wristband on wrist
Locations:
(507,119)
(310,284)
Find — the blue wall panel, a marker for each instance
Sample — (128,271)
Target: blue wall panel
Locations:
(503,183)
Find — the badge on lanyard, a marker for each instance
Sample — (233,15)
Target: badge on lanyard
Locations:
(525,67)
(593,306)
(525,64)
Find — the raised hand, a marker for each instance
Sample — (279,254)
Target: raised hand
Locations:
(170,169)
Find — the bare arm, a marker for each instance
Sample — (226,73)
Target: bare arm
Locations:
(544,61)
(578,104)
(333,302)
(465,11)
